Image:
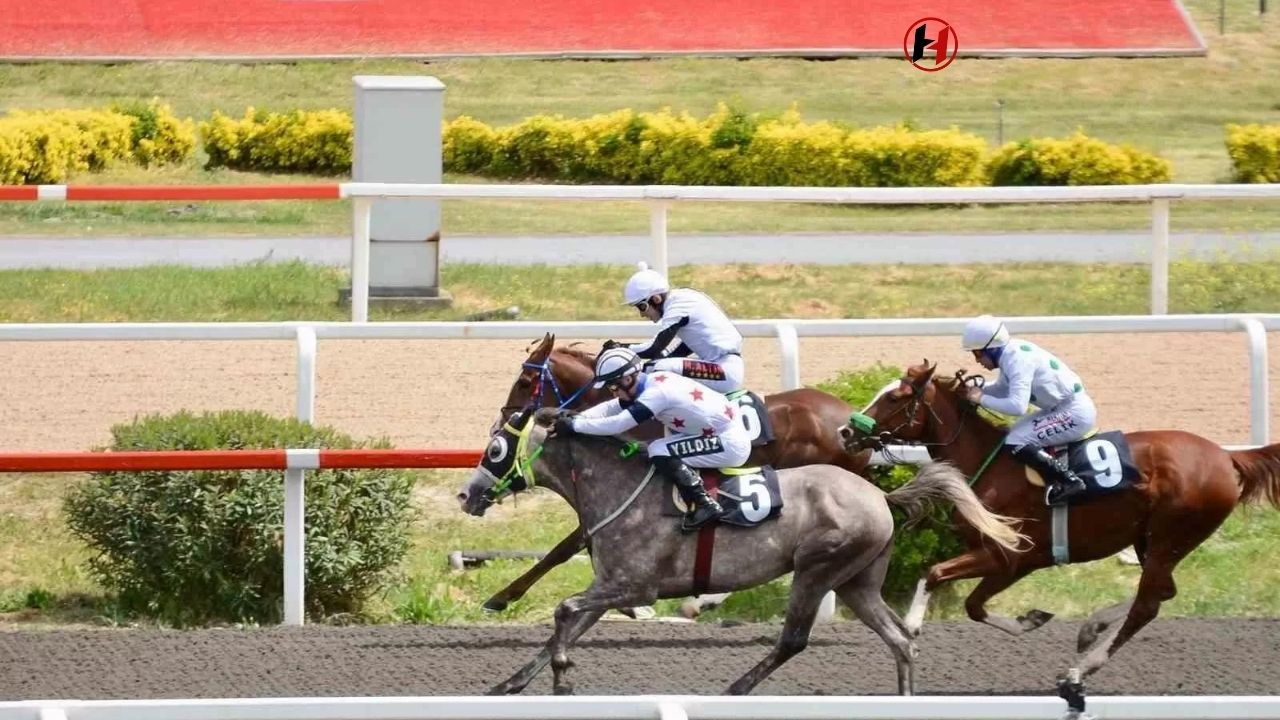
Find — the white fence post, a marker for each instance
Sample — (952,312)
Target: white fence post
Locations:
(658,235)
(789,346)
(361,217)
(306,405)
(295,540)
(1259,386)
(1159,256)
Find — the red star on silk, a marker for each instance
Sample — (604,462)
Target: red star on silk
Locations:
(728,411)
(696,393)
(659,378)
(708,432)
(677,423)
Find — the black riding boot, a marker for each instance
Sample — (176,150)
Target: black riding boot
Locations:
(689,483)
(1061,484)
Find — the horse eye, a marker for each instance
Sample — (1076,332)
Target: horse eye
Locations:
(497,449)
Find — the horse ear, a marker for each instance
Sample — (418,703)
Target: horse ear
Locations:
(544,348)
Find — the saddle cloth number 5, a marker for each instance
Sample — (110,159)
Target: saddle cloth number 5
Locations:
(756,504)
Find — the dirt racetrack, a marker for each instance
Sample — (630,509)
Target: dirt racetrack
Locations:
(1191,657)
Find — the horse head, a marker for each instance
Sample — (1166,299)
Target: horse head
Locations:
(550,376)
(920,408)
(899,412)
(507,464)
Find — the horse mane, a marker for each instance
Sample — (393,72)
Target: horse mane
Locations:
(952,384)
(573,351)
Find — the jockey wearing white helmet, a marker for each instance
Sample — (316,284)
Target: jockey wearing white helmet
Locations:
(1030,375)
(702,426)
(710,349)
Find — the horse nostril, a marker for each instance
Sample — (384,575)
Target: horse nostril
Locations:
(846,433)
(462,497)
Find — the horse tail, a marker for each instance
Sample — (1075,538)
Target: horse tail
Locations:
(1259,470)
(942,481)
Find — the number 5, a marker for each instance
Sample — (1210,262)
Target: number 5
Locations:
(761,505)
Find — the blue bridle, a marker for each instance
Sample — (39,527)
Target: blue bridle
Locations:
(545,377)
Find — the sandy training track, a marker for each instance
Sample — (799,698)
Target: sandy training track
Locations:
(445,394)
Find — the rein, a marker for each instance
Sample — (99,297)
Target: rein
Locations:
(867,424)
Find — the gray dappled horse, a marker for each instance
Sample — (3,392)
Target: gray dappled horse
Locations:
(835,533)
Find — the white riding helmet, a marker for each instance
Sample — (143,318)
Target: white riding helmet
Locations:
(615,364)
(985,332)
(644,284)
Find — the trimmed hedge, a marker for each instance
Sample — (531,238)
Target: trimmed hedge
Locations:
(195,547)
(1075,160)
(47,146)
(1255,152)
(301,141)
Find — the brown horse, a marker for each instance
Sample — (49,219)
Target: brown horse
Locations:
(1188,487)
(806,425)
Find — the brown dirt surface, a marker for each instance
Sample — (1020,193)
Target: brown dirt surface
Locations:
(1176,657)
(445,394)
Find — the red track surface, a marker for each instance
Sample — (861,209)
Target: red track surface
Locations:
(178,28)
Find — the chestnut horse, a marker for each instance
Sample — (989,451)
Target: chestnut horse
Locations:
(1188,487)
(806,424)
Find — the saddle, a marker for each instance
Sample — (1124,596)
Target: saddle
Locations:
(749,495)
(1102,460)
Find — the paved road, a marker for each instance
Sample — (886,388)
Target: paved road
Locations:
(817,248)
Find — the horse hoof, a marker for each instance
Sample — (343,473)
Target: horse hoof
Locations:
(1034,619)
(503,689)
(690,609)
(494,605)
(565,689)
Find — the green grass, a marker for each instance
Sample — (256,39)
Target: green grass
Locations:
(295,291)
(45,583)
(1177,107)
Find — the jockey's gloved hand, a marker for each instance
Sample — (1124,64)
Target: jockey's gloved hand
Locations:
(563,426)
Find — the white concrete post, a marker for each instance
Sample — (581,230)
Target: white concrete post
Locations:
(1159,256)
(398,138)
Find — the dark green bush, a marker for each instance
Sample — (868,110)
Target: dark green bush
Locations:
(195,547)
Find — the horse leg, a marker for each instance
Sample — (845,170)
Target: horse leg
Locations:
(694,606)
(1097,623)
(569,617)
(863,595)
(525,675)
(559,554)
(807,591)
(1170,537)
(992,585)
(975,563)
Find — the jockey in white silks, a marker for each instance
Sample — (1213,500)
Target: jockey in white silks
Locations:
(702,428)
(710,349)
(1030,375)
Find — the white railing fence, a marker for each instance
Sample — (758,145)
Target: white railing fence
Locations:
(649,707)
(787,333)
(660,198)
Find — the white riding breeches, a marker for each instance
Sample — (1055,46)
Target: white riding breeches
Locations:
(728,449)
(1066,423)
(726,374)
